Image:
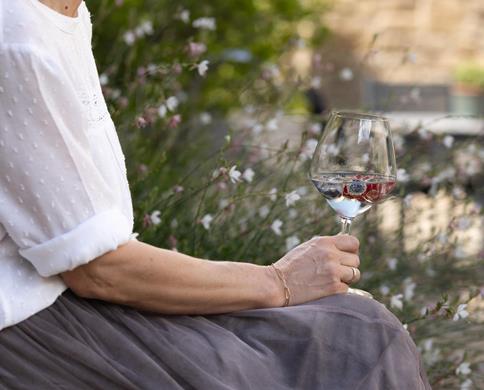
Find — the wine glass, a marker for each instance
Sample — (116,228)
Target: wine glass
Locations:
(354,166)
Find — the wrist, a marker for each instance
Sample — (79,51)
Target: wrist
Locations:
(274,289)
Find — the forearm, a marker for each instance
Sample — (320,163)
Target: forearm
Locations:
(159,280)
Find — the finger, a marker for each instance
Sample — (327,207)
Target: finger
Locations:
(350,260)
(350,275)
(347,243)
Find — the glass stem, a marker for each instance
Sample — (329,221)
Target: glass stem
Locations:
(345,226)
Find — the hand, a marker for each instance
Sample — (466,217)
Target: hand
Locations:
(319,267)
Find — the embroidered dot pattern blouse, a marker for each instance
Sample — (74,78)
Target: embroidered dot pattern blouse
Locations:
(64,194)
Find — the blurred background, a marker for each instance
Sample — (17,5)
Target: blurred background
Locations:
(219,106)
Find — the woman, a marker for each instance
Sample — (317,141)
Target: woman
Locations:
(85,305)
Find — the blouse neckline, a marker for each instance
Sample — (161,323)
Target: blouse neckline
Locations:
(65,23)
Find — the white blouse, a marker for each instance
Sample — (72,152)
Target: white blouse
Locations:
(64,194)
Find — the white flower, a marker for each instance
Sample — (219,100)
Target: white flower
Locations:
(448,141)
(430,353)
(162,111)
(346,74)
(458,192)
(248,175)
(129,37)
(402,175)
(206,221)
(272,125)
(276,227)
(461,312)
(315,128)
(115,93)
(184,16)
(332,149)
(407,200)
(442,237)
(409,288)
(396,301)
(218,172)
(291,198)
(315,82)
(205,23)
(292,213)
(309,148)
(172,103)
(202,67)
(151,68)
(392,263)
(257,128)
(103,79)
(138,31)
(234,174)
(463,369)
(223,203)
(271,71)
(466,385)
(155,217)
(428,344)
(264,211)
(205,118)
(303,190)
(273,194)
(464,223)
(174,223)
(147,27)
(398,141)
(384,289)
(424,133)
(291,242)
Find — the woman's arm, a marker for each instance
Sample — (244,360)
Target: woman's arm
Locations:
(159,280)
(150,278)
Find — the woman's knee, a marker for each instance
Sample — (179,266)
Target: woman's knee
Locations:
(363,306)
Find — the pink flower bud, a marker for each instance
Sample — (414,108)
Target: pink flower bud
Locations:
(142,169)
(141,122)
(174,121)
(177,68)
(147,221)
(195,49)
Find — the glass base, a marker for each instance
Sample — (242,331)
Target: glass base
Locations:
(357,291)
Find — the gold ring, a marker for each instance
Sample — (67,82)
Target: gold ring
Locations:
(354,275)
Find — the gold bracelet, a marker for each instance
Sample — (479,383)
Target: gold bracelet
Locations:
(287,292)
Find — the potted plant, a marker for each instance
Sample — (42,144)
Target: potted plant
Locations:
(467,96)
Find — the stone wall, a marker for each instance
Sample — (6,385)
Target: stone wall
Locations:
(406,41)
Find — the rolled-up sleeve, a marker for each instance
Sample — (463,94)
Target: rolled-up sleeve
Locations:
(55,203)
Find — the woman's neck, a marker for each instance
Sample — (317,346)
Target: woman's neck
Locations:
(65,7)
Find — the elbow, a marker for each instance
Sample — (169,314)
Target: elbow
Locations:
(97,279)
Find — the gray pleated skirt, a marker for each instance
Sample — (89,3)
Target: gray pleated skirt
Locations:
(338,342)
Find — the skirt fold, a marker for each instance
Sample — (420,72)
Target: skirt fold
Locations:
(341,342)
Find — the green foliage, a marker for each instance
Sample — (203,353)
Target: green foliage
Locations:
(470,74)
